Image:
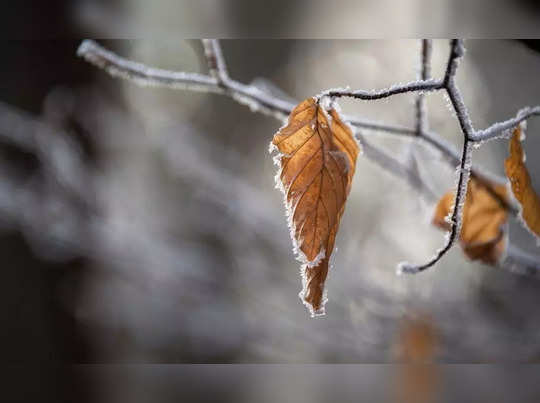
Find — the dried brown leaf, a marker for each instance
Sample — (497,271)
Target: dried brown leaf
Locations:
(317,158)
(482,232)
(520,181)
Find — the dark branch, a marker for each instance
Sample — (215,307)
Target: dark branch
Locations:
(456,51)
(415,86)
(425,74)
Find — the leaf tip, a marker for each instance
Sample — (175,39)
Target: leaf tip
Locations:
(316,309)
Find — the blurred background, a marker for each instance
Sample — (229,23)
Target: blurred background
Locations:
(141,225)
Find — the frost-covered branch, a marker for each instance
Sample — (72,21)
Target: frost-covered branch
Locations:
(149,76)
(261,101)
(144,75)
(498,129)
(424,74)
(214,59)
(258,100)
(252,96)
(414,86)
(456,52)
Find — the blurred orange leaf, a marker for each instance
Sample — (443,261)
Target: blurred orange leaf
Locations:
(417,343)
(317,158)
(417,340)
(482,234)
(517,173)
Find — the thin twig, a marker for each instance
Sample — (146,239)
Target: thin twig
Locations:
(397,168)
(456,52)
(497,129)
(215,60)
(414,86)
(144,75)
(424,74)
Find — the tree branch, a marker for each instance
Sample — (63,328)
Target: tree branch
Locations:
(456,52)
(260,101)
(424,74)
(414,86)
(144,75)
(215,60)
(496,130)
